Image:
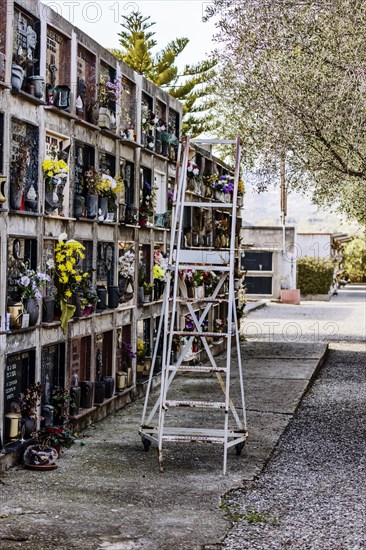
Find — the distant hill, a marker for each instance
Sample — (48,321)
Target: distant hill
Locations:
(264,209)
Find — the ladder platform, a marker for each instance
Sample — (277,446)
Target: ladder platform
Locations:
(203,300)
(196,404)
(196,368)
(202,334)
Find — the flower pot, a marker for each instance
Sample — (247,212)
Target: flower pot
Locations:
(38,83)
(104,120)
(17,77)
(91,203)
(31,306)
(40,457)
(102,208)
(158,147)
(48,309)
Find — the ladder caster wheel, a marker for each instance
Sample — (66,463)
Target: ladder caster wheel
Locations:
(239,447)
(146,443)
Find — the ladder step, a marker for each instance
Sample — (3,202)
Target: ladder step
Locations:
(204,300)
(196,368)
(212,204)
(206,266)
(202,334)
(196,404)
(209,141)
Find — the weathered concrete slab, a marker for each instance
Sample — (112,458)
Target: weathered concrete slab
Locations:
(285,350)
(279,368)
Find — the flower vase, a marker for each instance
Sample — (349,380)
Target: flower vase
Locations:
(17,77)
(102,208)
(87,394)
(50,205)
(67,312)
(31,306)
(16,195)
(2,189)
(30,426)
(48,309)
(79,205)
(121,212)
(91,203)
(190,184)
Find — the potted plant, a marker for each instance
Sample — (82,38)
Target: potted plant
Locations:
(193,173)
(18,69)
(57,437)
(29,402)
(141,355)
(148,288)
(68,275)
(107,189)
(55,173)
(60,402)
(126,272)
(107,94)
(30,284)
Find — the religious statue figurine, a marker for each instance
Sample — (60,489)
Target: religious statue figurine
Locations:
(31,43)
(75,380)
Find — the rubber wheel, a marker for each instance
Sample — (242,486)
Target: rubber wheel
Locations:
(239,447)
(146,443)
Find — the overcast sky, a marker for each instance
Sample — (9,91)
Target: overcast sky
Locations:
(174,18)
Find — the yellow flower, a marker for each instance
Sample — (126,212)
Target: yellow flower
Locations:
(78,278)
(68,293)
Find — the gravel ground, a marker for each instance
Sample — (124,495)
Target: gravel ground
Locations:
(312,494)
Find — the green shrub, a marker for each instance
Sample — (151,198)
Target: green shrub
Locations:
(355,260)
(314,276)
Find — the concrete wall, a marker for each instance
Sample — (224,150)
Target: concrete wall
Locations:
(282,245)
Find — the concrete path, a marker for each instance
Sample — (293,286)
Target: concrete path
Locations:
(109,493)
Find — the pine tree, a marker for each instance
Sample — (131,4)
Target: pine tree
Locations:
(192,86)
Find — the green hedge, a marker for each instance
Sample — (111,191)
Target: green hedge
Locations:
(314,276)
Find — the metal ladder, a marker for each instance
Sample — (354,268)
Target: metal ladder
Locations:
(221,262)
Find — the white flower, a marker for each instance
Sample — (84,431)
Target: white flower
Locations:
(62,237)
(195,171)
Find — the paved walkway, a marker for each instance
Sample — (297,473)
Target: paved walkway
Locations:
(108,493)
